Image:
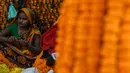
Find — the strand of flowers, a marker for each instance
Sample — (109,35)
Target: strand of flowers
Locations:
(110,46)
(65,40)
(2,14)
(124,52)
(94,27)
(5,13)
(80,39)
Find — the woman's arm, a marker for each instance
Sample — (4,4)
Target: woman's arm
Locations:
(35,46)
(4,35)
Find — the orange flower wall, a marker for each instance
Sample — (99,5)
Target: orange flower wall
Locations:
(93,37)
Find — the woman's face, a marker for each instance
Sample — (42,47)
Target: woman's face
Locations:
(23,20)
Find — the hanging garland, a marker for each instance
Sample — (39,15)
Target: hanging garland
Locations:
(3,13)
(124,56)
(82,47)
(79,36)
(66,57)
(110,47)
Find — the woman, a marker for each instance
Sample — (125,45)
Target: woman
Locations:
(21,39)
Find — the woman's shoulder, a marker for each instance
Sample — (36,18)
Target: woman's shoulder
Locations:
(35,30)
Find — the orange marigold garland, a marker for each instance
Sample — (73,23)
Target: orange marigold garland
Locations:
(110,46)
(124,52)
(3,14)
(65,46)
(94,24)
(89,23)
(80,40)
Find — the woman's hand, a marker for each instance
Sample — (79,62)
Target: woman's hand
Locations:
(23,42)
(12,39)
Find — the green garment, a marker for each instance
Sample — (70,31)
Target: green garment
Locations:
(13,28)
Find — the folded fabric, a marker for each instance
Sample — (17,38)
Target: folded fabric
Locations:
(50,71)
(12,11)
(30,70)
(48,39)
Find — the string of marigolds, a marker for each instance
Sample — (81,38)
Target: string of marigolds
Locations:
(110,46)
(66,58)
(124,57)
(94,23)
(113,46)
(3,14)
(82,34)
(80,40)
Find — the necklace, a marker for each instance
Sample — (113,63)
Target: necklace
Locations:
(22,32)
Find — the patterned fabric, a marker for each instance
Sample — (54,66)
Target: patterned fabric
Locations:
(22,57)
